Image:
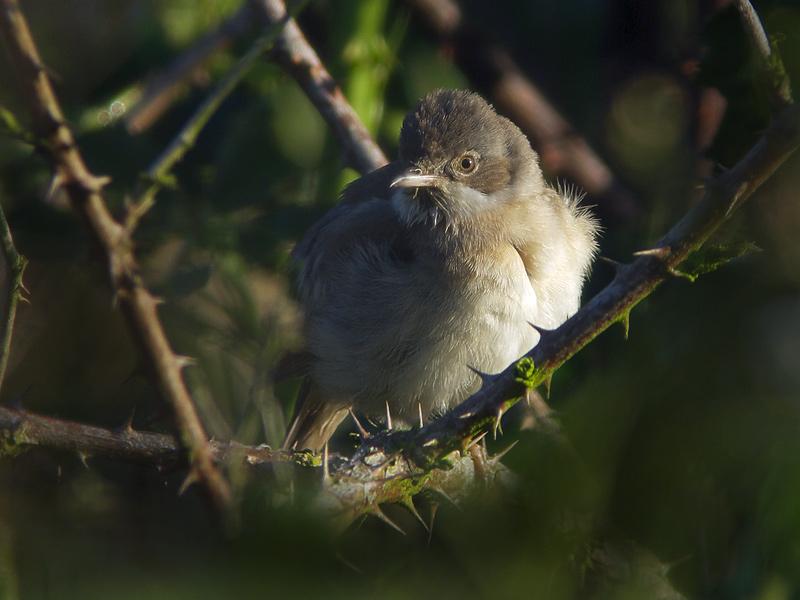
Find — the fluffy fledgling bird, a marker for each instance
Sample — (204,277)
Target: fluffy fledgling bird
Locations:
(433,267)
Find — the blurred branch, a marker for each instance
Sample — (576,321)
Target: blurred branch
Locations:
(167,85)
(293,52)
(16,268)
(85,193)
(157,174)
(562,150)
(781,86)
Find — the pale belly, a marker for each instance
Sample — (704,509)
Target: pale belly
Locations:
(483,327)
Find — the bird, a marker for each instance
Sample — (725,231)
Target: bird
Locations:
(434,269)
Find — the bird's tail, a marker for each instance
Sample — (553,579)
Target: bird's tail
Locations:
(315,419)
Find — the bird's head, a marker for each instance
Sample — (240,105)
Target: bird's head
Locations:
(461,159)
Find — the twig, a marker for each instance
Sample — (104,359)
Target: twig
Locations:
(85,193)
(781,86)
(16,268)
(166,86)
(562,150)
(21,430)
(157,173)
(293,52)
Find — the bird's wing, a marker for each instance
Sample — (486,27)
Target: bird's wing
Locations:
(350,244)
(372,186)
(333,252)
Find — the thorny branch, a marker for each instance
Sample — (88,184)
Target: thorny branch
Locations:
(16,268)
(85,193)
(21,430)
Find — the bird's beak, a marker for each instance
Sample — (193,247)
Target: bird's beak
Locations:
(413,178)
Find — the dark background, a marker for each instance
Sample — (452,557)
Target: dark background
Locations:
(686,437)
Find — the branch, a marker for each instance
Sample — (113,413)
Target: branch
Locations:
(157,173)
(296,56)
(293,52)
(562,150)
(779,80)
(16,268)
(21,430)
(85,193)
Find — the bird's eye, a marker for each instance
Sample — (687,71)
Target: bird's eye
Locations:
(466,164)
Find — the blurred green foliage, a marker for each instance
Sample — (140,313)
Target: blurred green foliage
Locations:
(684,438)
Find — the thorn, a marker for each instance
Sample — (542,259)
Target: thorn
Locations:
(184,361)
(99,182)
(444,495)
(361,430)
(682,274)
(476,440)
(625,319)
(191,478)
(408,502)
(388,417)
(484,377)
(421,422)
(541,330)
(434,509)
(157,300)
(376,511)
(498,425)
(127,426)
(548,383)
(479,460)
(83,457)
(496,458)
(348,564)
(656,252)
(55,183)
(610,261)
(326,474)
